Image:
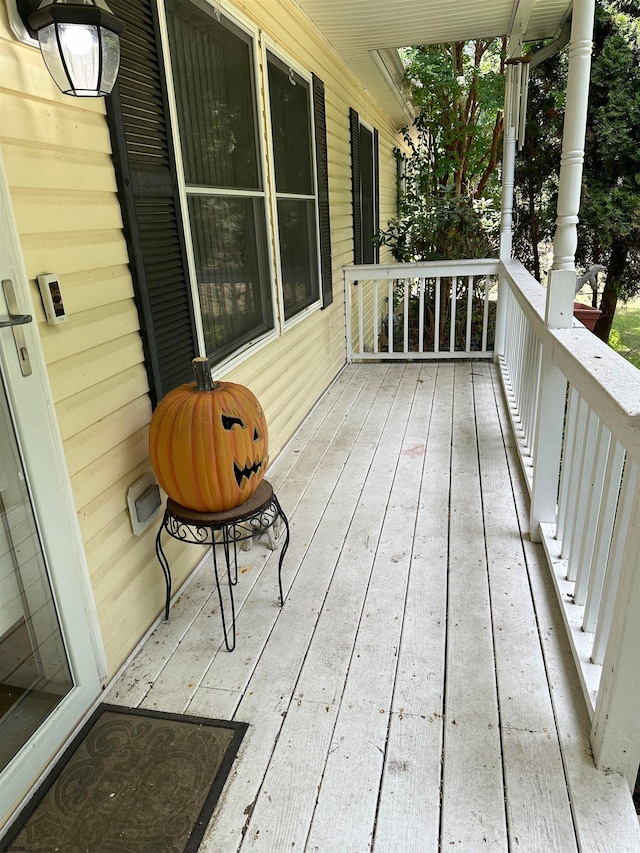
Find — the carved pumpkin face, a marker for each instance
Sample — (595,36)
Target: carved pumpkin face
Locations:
(209,449)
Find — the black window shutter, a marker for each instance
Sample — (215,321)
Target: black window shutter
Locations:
(320,118)
(376,195)
(144,156)
(354,122)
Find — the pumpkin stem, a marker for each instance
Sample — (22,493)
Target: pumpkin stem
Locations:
(204,382)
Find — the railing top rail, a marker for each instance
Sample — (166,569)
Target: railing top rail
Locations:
(423,269)
(531,295)
(608,383)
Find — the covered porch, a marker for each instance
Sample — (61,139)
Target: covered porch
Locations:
(417,691)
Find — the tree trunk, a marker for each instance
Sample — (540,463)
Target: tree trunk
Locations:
(609,301)
(533,222)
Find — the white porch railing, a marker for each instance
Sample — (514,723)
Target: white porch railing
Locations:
(592,540)
(438,310)
(575,410)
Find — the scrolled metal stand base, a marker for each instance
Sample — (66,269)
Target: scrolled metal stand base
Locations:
(255,516)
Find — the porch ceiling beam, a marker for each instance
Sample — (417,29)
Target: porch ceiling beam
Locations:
(520,18)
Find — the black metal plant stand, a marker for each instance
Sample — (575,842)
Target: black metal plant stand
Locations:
(226,529)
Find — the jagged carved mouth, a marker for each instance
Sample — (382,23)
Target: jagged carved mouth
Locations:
(246,472)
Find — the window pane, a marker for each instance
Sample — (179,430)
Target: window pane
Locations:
(298,254)
(213,79)
(291,130)
(229,243)
(368,195)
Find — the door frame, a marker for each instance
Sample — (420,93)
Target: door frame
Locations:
(31,401)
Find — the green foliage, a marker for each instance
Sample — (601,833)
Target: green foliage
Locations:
(611,189)
(609,228)
(537,165)
(445,207)
(625,333)
(440,227)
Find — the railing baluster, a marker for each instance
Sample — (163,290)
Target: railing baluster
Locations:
(390,328)
(510,336)
(536,396)
(594,501)
(452,326)
(348,296)
(517,363)
(436,321)
(407,297)
(376,318)
(422,285)
(485,315)
(614,564)
(469,313)
(360,319)
(583,480)
(573,472)
(604,532)
(571,416)
(527,400)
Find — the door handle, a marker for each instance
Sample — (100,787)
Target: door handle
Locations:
(15,320)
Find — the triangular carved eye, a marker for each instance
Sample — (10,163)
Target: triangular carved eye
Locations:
(255,434)
(229,422)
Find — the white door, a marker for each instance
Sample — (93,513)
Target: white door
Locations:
(49,651)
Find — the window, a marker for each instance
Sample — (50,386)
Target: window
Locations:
(212,67)
(291,133)
(365,191)
(197,219)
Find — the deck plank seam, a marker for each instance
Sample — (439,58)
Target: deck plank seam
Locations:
(491,607)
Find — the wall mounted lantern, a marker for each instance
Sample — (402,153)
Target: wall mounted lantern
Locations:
(79,41)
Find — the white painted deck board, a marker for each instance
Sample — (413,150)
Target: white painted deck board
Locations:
(473,812)
(409,687)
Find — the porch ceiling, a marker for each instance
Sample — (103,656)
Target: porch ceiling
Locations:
(359,29)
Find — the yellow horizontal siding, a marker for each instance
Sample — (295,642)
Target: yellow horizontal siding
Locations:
(83,409)
(31,166)
(58,160)
(59,211)
(86,370)
(98,512)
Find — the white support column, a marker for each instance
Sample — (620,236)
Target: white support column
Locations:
(506,213)
(508,164)
(615,734)
(562,277)
(561,284)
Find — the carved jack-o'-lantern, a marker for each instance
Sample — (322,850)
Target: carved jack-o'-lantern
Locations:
(208,443)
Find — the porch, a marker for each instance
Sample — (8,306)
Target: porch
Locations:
(417,691)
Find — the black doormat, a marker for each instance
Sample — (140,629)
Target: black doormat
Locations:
(132,781)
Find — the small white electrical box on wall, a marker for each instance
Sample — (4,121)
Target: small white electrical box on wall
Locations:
(144,502)
(52,298)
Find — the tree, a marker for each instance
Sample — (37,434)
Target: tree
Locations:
(450,175)
(609,228)
(609,231)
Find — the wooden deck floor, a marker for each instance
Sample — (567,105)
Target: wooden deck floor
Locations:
(410,696)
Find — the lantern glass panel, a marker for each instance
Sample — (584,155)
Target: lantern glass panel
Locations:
(80,53)
(51,56)
(110,60)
